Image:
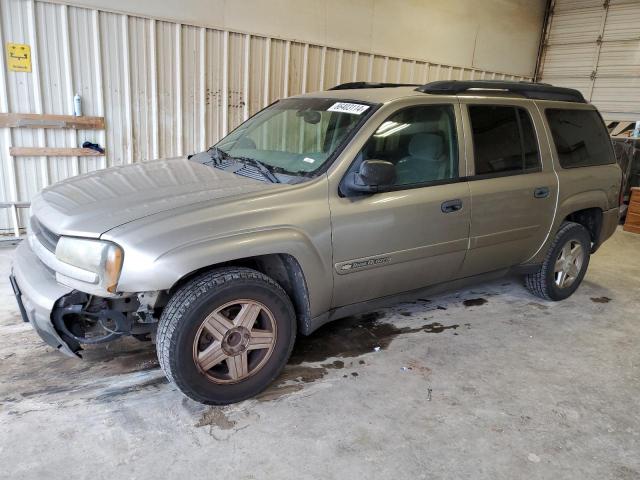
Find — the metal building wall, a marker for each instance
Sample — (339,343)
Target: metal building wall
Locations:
(594,46)
(165,89)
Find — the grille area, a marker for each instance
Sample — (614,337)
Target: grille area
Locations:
(250,172)
(46,237)
(241,169)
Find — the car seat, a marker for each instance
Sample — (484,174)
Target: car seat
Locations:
(427,160)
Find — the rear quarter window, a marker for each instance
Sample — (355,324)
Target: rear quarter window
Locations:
(580,138)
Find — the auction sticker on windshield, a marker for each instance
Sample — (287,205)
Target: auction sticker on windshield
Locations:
(345,107)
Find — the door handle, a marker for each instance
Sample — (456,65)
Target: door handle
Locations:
(451,206)
(541,192)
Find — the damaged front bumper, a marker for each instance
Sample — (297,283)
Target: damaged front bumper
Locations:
(37,292)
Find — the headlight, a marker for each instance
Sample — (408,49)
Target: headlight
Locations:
(97,256)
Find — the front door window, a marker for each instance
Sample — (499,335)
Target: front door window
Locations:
(420,141)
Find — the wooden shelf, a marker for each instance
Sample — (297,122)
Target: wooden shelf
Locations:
(632,223)
(36,120)
(53,152)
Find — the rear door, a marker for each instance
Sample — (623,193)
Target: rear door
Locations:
(513,185)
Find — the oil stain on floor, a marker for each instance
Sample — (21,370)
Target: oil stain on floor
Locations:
(53,378)
(347,338)
(474,302)
(41,372)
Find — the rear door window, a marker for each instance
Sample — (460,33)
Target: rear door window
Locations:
(504,140)
(580,137)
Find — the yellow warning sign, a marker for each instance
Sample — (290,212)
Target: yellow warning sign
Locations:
(18,57)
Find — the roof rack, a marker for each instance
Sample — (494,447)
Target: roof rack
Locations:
(538,91)
(356,85)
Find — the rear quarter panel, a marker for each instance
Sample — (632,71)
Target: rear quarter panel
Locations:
(582,187)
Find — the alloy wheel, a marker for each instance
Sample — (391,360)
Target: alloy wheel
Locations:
(568,264)
(235,341)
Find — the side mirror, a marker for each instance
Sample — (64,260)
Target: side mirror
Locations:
(373,176)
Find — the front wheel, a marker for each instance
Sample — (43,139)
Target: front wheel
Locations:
(226,335)
(564,266)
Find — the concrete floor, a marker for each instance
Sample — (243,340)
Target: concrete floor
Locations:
(485,383)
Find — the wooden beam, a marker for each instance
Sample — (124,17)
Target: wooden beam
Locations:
(53,152)
(36,120)
(620,128)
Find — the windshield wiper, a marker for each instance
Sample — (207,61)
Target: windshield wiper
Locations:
(268,174)
(217,155)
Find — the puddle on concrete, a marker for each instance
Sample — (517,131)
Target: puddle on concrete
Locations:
(474,302)
(41,371)
(600,299)
(44,373)
(335,364)
(352,337)
(435,327)
(292,379)
(346,338)
(113,394)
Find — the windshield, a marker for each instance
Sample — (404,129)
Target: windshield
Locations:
(295,136)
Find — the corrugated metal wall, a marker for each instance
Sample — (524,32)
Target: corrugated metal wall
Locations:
(594,46)
(165,89)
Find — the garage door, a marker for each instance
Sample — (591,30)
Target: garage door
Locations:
(594,46)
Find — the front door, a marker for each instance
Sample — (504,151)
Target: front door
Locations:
(512,181)
(417,234)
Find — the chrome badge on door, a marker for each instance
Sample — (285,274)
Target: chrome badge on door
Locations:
(355,265)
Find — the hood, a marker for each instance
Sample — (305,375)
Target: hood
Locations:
(89,205)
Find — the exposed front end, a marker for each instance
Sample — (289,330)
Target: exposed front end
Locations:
(66,288)
(37,291)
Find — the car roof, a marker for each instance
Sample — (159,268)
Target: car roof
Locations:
(370,95)
(499,90)
(387,95)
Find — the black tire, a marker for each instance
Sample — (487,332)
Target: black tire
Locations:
(192,303)
(542,283)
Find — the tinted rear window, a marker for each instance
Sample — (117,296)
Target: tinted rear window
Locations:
(504,140)
(580,137)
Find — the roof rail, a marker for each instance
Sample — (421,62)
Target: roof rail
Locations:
(538,91)
(356,85)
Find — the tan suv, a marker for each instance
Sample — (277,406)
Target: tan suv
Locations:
(318,207)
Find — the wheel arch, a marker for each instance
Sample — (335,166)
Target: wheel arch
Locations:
(591,219)
(587,209)
(280,249)
(284,268)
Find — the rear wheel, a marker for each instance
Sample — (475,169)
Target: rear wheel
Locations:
(226,335)
(564,266)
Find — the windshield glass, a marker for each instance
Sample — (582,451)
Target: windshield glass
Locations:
(297,135)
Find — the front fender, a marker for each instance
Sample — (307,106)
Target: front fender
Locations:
(142,273)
